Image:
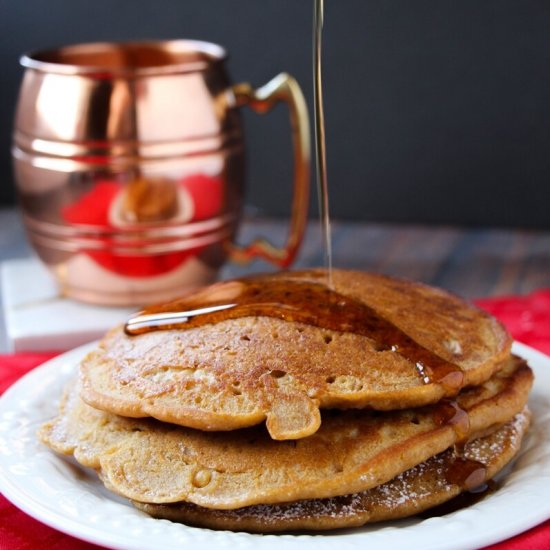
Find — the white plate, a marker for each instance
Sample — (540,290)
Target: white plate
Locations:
(69,498)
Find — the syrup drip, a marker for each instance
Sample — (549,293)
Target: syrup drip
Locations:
(449,412)
(466,473)
(296,301)
(469,475)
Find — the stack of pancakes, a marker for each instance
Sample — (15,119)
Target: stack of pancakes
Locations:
(283,402)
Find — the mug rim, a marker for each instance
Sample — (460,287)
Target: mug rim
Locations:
(202,54)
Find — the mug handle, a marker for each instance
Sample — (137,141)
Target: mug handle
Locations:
(285,88)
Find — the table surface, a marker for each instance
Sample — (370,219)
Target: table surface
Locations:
(472,262)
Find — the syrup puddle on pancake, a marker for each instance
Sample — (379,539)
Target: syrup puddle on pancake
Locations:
(305,302)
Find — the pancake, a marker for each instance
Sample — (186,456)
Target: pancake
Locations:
(277,348)
(354,450)
(420,488)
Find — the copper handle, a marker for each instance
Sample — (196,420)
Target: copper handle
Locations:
(281,88)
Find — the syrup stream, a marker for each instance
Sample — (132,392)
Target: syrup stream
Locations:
(320,147)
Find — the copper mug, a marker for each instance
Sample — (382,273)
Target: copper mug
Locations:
(129,164)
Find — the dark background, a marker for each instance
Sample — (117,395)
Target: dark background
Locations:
(437,111)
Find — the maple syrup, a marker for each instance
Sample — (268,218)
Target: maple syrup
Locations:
(448,412)
(471,477)
(305,302)
(468,474)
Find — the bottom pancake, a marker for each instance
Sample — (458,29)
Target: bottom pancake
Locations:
(429,484)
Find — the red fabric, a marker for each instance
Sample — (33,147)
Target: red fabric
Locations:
(12,367)
(17,530)
(528,319)
(21,532)
(537,538)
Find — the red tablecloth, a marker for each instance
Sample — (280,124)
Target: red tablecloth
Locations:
(528,319)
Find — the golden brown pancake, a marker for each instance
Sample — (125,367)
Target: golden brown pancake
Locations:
(354,450)
(409,345)
(420,488)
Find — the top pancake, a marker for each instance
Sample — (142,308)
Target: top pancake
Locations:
(268,364)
